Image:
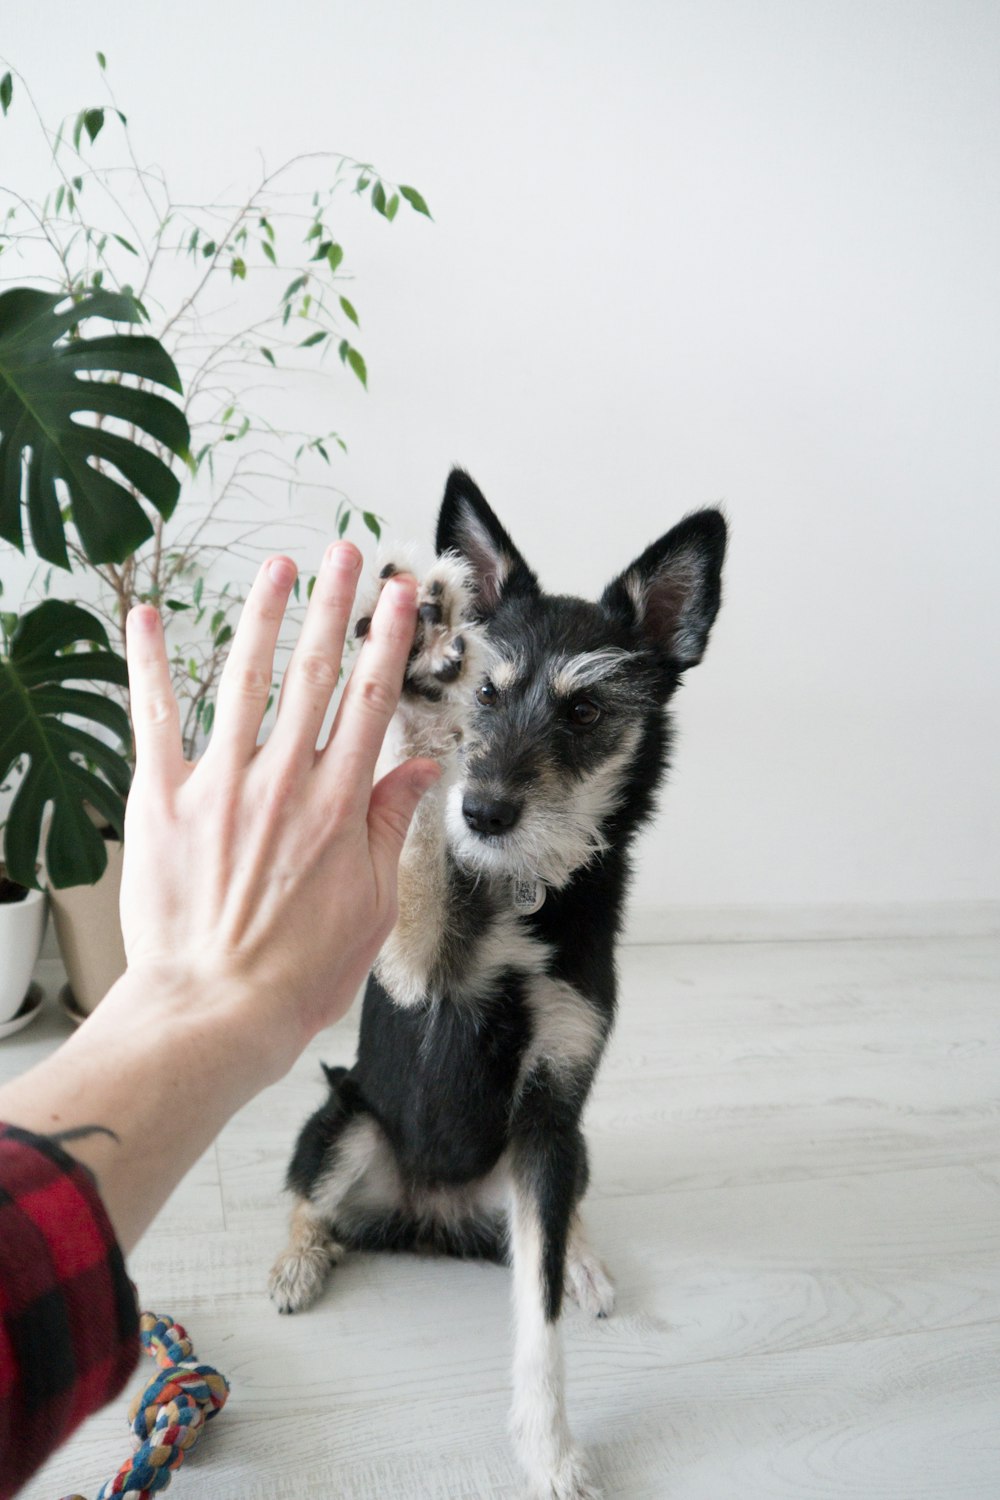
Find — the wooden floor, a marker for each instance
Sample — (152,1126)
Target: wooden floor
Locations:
(796,1184)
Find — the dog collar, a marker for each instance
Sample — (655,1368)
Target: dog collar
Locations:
(528,893)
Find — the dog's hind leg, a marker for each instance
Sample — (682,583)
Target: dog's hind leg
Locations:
(300,1271)
(587,1279)
(547,1165)
(340,1149)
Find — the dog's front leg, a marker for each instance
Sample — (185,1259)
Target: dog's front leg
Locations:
(547,1165)
(431,720)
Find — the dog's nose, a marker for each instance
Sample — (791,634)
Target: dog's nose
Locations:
(489,814)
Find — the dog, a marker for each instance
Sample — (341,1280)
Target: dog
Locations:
(490,1005)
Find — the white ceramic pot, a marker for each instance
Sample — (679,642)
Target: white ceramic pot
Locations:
(90,933)
(22,927)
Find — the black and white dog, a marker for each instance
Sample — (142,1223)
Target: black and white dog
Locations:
(489,1007)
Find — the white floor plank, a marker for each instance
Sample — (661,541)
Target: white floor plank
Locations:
(796,1183)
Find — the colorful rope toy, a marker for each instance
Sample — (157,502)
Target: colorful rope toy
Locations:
(169,1414)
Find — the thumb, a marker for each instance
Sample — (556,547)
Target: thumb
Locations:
(394,801)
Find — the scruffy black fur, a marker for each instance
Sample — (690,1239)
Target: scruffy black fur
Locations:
(458,1126)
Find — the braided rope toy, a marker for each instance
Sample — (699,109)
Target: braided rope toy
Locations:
(169,1414)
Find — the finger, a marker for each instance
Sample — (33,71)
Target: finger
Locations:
(245,685)
(373,689)
(156,720)
(314,669)
(390,813)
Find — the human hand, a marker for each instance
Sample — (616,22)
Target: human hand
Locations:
(264,877)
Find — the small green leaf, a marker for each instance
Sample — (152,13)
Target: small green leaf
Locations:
(318,445)
(293,287)
(217,619)
(295,588)
(124,242)
(192,669)
(268,252)
(372,523)
(343,523)
(415,200)
(238,268)
(208,249)
(224,635)
(93,123)
(343,351)
(314,338)
(357,364)
(391,207)
(6,92)
(378,198)
(102,60)
(208,718)
(315,232)
(268,356)
(349,310)
(175,605)
(199,586)
(310,586)
(334,255)
(60,195)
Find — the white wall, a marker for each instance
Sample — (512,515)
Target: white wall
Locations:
(682,253)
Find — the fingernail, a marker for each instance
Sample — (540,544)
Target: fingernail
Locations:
(343,555)
(402,588)
(282,572)
(142,617)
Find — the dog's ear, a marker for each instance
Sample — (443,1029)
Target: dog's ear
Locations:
(672,592)
(468,526)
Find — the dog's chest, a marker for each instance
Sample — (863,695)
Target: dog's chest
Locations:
(441,1078)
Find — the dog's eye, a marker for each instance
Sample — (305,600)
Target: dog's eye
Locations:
(584,712)
(487,694)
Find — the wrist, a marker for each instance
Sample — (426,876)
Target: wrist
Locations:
(188,1010)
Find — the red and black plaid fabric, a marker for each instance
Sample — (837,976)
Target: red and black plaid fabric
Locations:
(69,1323)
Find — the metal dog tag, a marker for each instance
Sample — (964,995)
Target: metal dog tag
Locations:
(529,894)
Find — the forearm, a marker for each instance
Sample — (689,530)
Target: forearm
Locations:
(149,1080)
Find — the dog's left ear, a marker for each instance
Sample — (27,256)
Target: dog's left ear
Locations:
(672,592)
(468,526)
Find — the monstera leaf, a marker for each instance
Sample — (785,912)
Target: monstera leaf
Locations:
(42,360)
(33,700)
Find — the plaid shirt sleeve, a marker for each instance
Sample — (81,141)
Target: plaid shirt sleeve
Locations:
(69,1322)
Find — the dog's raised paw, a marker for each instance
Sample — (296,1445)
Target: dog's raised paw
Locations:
(443,646)
(444,642)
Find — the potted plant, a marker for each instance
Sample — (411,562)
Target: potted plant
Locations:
(22,927)
(235,302)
